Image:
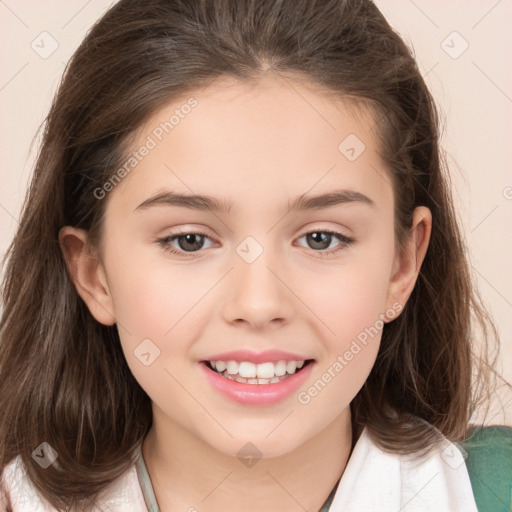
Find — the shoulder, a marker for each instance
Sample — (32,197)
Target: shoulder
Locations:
(375,479)
(19,495)
(18,492)
(488,455)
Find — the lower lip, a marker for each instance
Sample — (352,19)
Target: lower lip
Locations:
(256,394)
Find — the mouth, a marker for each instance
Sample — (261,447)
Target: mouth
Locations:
(245,372)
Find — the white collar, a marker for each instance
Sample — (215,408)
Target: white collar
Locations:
(389,482)
(372,480)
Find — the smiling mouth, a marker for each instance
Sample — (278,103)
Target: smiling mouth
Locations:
(264,373)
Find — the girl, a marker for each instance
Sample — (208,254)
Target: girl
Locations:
(238,282)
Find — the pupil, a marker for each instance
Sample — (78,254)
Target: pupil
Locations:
(188,238)
(323,238)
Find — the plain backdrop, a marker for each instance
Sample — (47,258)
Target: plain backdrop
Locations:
(463,48)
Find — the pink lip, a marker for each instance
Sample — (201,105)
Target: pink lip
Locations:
(256,394)
(256,357)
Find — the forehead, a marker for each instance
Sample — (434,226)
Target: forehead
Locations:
(255,141)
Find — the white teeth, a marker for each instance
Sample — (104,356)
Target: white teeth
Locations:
(280,369)
(265,371)
(243,380)
(232,367)
(220,365)
(291,366)
(247,370)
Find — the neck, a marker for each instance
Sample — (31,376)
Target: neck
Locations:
(189,474)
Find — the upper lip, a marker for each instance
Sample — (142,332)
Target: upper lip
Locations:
(256,357)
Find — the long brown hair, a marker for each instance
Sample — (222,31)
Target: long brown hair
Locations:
(64,379)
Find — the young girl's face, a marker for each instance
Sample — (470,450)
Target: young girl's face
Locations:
(257,280)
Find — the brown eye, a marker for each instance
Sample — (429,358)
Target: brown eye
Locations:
(321,240)
(188,243)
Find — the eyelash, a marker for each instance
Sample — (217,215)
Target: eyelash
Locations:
(164,242)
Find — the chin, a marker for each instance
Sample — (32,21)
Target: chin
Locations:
(256,446)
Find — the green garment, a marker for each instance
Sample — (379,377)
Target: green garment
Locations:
(489,463)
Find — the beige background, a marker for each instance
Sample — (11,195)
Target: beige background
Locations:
(463,48)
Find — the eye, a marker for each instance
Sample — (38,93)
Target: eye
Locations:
(191,242)
(322,239)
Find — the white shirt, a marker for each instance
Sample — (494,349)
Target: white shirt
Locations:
(373,480)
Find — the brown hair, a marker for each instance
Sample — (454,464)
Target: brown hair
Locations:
(64,377)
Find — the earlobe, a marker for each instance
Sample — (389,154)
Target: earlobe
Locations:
(407,265)
(87,274)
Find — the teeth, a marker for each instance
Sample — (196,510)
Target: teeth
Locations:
(291,366)
(232,367)
(243,380)
(248,370)
(280,368)
(220,365)
(264,370)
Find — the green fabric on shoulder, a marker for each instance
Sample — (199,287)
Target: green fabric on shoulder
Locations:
(489,464)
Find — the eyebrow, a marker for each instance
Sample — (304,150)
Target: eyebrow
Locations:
(213,204)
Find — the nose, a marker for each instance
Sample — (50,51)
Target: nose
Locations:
(260,291)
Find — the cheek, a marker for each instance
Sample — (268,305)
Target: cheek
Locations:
(349,303)
(160,301)
(349,297)
(350,328)
(154,307)
(152,294)
(351,313)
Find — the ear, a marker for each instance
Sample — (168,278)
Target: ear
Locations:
(87,274)
(406,266)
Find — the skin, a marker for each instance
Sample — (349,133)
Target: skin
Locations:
(258,147)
